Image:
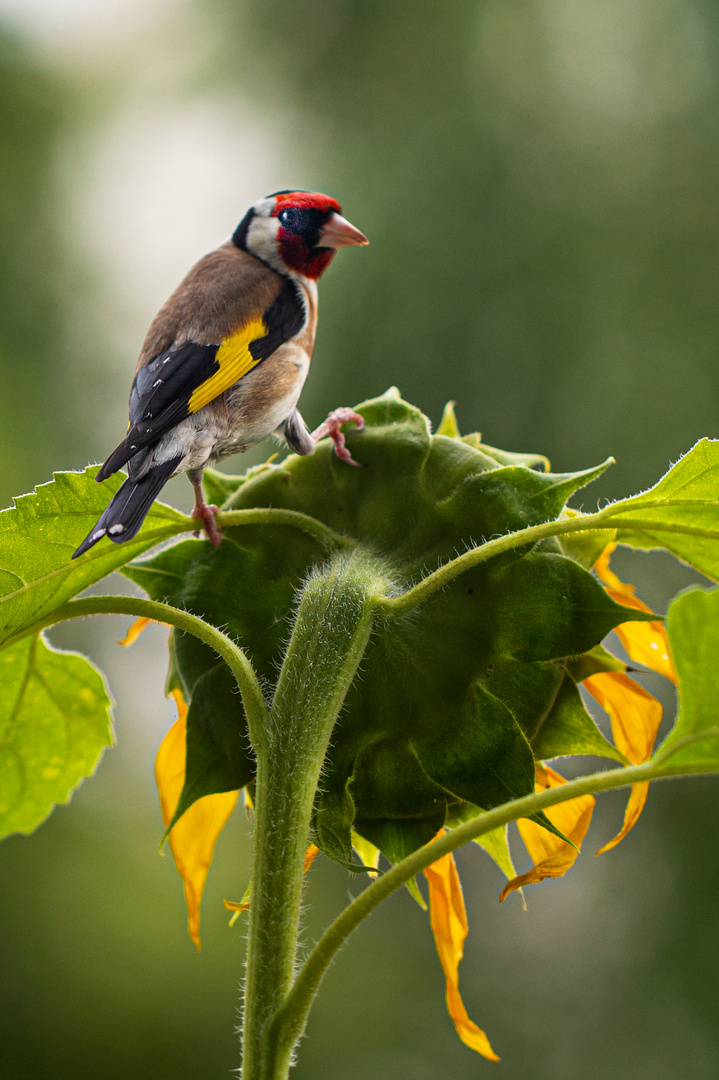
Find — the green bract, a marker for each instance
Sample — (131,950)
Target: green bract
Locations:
(454,699)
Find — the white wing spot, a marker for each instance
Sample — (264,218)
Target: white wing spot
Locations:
(116,530)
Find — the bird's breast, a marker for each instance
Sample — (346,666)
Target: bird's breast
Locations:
(258,404)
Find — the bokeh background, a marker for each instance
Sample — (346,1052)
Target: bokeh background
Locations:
(540,182)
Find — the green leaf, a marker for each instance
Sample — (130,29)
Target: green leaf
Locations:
(569,729)
(680,513)
(55,720)
(39,535)
(693,626)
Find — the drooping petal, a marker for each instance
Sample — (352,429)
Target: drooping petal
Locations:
(634,713)
(448,919)
(310,856)
(635,805)
(635,716)
(134,631)
(193,838)
(646,642)
(606,574)
(552,856)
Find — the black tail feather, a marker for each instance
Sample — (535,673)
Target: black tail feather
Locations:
(119,457)
(129,507)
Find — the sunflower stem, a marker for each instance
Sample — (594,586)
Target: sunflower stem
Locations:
(330,634)
(395,606)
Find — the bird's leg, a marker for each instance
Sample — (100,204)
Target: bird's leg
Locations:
(296,434)
(332,427)
(204,511)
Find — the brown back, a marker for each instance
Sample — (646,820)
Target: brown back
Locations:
(220,294)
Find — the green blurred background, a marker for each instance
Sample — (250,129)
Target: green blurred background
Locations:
(540,182)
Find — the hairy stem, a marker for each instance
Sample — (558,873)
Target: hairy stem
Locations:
(407,601)
(329,638)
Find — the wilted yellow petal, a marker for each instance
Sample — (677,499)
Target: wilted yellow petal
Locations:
(193,838)
(449,926)
(552,856)
(635,717)
(635,714)
(646,642)
(602,567)
(310,856)
(134,631)
(637,798)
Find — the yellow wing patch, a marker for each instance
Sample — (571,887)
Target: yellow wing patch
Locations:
(235,360)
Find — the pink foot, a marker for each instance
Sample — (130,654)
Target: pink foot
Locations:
(206,514)
(332,426)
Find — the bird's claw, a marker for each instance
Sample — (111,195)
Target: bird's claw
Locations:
(332,427)
(206,514)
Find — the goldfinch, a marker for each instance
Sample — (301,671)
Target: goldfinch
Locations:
(225,359)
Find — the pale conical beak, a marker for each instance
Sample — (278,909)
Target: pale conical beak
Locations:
(339,233)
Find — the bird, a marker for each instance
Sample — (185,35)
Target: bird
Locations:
(225,359)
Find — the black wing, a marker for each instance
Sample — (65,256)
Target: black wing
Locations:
(180,381)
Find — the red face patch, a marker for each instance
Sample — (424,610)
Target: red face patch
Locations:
(302,214)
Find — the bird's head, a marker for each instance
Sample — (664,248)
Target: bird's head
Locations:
(296,232)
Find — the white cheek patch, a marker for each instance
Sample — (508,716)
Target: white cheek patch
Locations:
(262,240)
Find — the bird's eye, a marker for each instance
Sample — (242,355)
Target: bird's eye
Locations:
(290,218)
